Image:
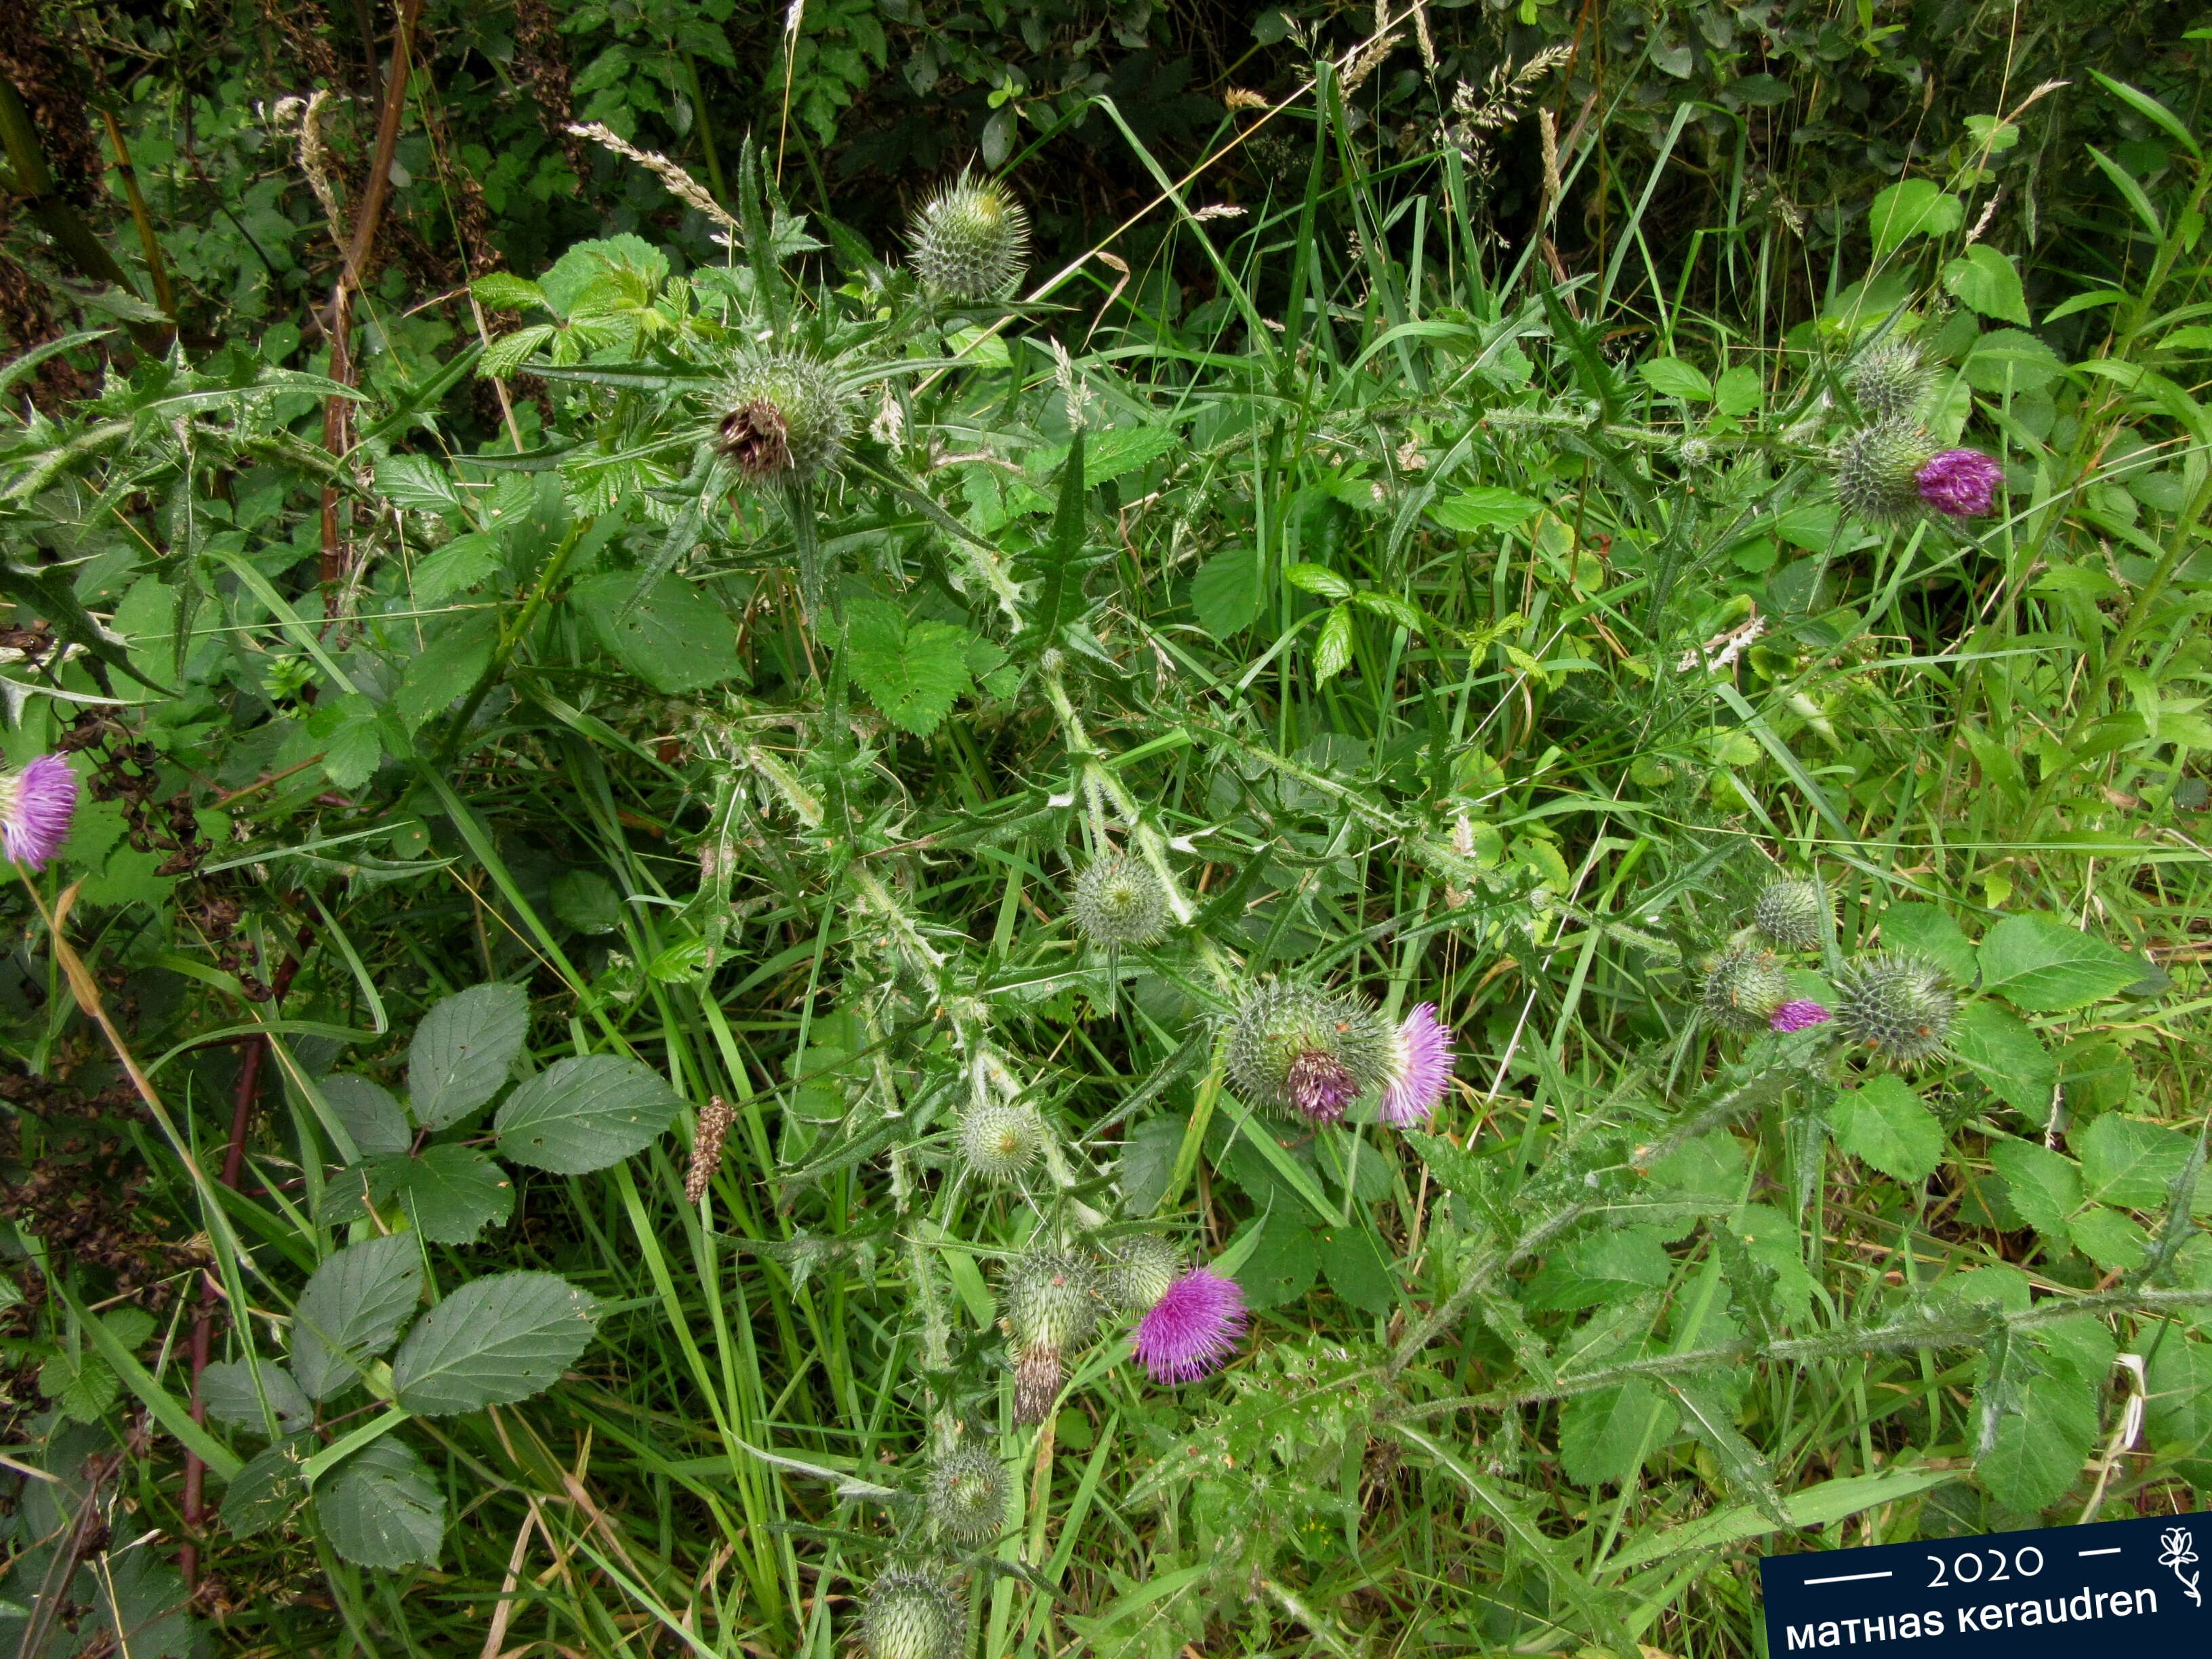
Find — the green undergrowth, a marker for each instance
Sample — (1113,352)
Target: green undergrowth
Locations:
(620,894)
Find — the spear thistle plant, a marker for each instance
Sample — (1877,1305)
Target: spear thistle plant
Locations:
(1053,1303)
(970,241)
(36,805)
(1307,1053)
(1895,1007)
(1743,988)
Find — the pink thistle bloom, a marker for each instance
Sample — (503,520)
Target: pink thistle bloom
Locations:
(36,805)
(1961,483)
(1321,1087)
(1419,1070)
(1193,1329)
(1798,1016)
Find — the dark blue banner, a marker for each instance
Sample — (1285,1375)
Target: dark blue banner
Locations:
(2044,1594)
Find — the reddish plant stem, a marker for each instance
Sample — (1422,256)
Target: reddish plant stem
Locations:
(338,411)
(247,1096)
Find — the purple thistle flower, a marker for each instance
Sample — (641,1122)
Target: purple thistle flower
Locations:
(1193,1329)
(1798,1015)
(36,805)
(1959,481)
(1419,1069)
(1320,1086)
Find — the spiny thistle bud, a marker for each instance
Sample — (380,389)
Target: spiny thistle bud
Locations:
(1743,988)
(999,1141)
(967,1495)
(1889,381)
(1139,1270)
(970,241)
(1308,1052)
(789,417)
(1792,912)
(1117,900)
(911,1615)
(1052,1305)
(1878,468)
(1897,1008)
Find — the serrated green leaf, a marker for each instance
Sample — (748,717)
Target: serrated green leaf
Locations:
(1601,1434)
(1282,1261)
(1913,207)
(584,1112)
(2038,1450)
(1354,1263)
(913,672)
(382,1508)
(269,1488)
(418,482)
(450,1193)
(436,678)
(1985,280)
(1317,579)
(1930,930)
(1487,507)
(503,290)
(1600,1268)
(226,1390)
(2044,1187)
(2130,1163)
(507,353)
(2039,963)
(1882,1123)
(352,1310)
(1224,594)
(462,1051)
(2000,1049)
(675,638)
(1671,377)
(1333,651)
(460,565)
(369,1113)
(2116,1242)
(494,1341)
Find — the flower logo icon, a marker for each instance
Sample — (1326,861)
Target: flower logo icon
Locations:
(2179,1550)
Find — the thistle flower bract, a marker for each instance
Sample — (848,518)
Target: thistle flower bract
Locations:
(788,416)
(1308,1052)
(970,241)
(999,1141)
(1800,1015)
(1117,900)
(1897,1008)
(1743,987)
(1790,912)
(36,805)
(967,1494)
(1959,483)
(911,1615)
(1139,1271)
(1193,1329)
(1877,470)
(1420,1068)
(1889,381)
(1052,1305)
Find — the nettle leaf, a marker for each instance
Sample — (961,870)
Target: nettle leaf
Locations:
(494,1341)
(503,290)
(1333,651)
(1485,508)
(504,355)
(382,1508)
(1882,1123)
(1602,1436)
(1224,594)
(913,671)
(450,1193)
(1600,1268)
(416,481)
(585,1113)
(1913,207)
(2039,963)
(462,1050)
(675,638)
(352,1310)
(458,566)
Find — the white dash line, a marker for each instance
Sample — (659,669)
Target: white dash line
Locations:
(2114,1550)
(1848,1578)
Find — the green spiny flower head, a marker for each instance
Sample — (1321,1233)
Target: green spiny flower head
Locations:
(1306,1051)
(1117,900)
(787,416)
(970,241)
(1000,1141)
(1889,382)
(1743,989)
(1052,1304)
(1792,912)
(912,1615)
(1139,1270)
(967,1494)
(1878,470)
(1895,1007)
